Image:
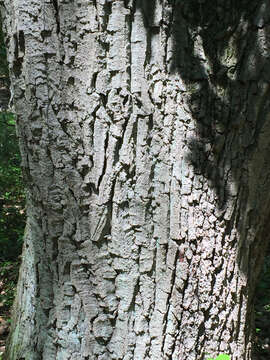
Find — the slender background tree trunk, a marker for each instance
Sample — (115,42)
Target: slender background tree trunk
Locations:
(144,131)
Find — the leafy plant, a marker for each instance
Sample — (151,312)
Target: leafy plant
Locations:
(221,357)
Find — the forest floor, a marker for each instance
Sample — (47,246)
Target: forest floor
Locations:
(262,314)
(9,271)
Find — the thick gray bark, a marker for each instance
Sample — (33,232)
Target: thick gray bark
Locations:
(144,131)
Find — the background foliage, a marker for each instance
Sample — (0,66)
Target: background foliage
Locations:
(12,199)
(12,202)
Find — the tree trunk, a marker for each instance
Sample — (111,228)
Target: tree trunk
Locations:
(144,130)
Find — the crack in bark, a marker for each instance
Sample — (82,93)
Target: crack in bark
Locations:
(57,16)
(105,162)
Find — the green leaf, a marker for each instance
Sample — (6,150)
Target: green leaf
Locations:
(223,357)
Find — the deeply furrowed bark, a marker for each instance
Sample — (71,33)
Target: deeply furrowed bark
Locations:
(144,131)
